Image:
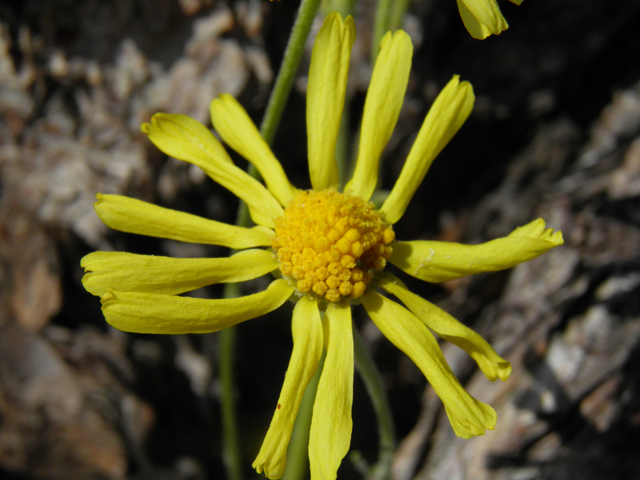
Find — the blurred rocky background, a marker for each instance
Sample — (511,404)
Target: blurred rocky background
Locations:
(555,133)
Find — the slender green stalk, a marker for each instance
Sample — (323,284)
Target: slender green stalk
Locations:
(376,391)
(297,457)
(398,9)
(282,87)
(343,7)
(380,27)
(288,69)
(277,101)
(231,456)
(388,17)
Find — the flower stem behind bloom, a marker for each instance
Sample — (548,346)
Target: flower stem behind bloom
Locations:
(306,327)
(380,26)
(288,68)
(270,121)
(375,388)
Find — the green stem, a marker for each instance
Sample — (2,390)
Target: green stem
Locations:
(375,389)
(398,10)
(288,69)
(231,446)
(297,456)
(388,17)
(343,7)
(277,101)
(282,87)
(380,27)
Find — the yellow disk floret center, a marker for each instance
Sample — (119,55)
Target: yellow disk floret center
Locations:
(331,244)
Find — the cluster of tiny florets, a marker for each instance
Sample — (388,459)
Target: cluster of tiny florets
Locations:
(331,244)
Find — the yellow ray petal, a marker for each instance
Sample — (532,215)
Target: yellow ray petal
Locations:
(468,416)
(307,350)
(446,116)
(482,18)
(381,109)
(128,272)
(156,313)
(435,262)
(491,364)
(135,216)
(325,97)
(331,424)
(238,131)
(176,135)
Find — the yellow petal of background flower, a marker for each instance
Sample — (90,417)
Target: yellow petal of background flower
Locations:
(468,416)
(307,350)
(331,424)
(482,18)
(381,109)
(238,131)
(435,262)
(176,136)
(156,313)
(448,328)
(128,272)
(325,97)
(445,117)
(135,216)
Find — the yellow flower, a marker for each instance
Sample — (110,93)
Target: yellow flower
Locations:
(330,248)
(483,17)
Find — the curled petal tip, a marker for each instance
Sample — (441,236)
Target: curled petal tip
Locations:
(107,297)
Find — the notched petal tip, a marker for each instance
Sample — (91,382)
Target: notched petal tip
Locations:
(275,471)
(504,370)
(494,368)
(537,230)
(474,421)
(107,298)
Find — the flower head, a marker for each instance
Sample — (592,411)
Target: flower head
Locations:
(483,17)
(329,248)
